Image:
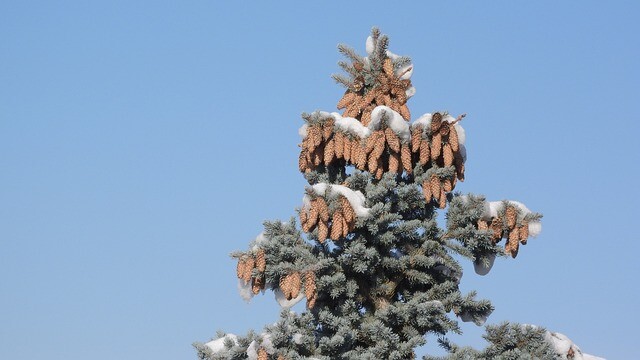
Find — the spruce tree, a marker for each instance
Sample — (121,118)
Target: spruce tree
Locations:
(376,270)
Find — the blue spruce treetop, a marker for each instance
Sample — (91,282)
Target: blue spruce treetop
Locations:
(377,272)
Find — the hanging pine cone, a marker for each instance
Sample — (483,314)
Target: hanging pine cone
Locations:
(338,144)
(392,139)
(447,155)
(394,162)
(310,288)
(336,226)
(513,243)
(261,260)
(323,231)
(426,191)
(442,200)
(347,210)
(434,182)
(329,152)
(436,146)
(483,225)
(405,112)
(453,139)
(303,165)
(262,354)
(511,214)
(416,138)
(523,230)
(327,129)
(425,153)
(436,122)
(405,157)
(249,264)
(313,216)
(496,227)
(257,284)
(322,208)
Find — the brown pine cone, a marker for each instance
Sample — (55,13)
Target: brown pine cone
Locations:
(280,357)
(380,170)
(250,263)
(338,145)
(425,153)
(442,200)
(447,155)
(313,215)
(262,354)
(303,165)
(436,122)
(446,184)
(387,66)
(310,288)
(453,139)
(257,284)
(323,209)
(496,227)
(346,151)
(304,220)
(394,163)
(392,139)
(323,231)
(436,146)
(336,226)
(261,260)
(315,135)
(404,111)
(329,152)
(405,157)
(372,140)
(379,145)
(524,232)
(513,243)
(426,190)
(434,182)
(347,210)
(240,268)
(346,100)
(365,119)
(372,163)
(483,225)
(318,153)
(416,138)
(511,214)
(361,160)
(327,129)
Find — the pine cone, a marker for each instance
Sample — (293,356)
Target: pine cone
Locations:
(436,122)
(372,163)
(323,231)
(524,232)
(447,155)
(379,145)
(257,284)
(261,260)
(511,214)
(446,184)
(317,156)
(249,264)
(425,153)
(380,170)
(346,152)
(327,129)
(303,165)
(483,225)
(416,138)
(387,66)
(365,119)
(434,182)
(323,209)
(315,135)
(392,139)
(336,226)
(513,243)
(290,285)
(296,284)
(346,100)
(347,210)
(459,163)
(338,145)
(329,152)
(310,288)
(394,163)
(361,160)
(426,190)
(240,268)
(436,146)
(262,354)
(404,111)
(496,227)
(405,157)
(345,227)
(453,139)
(442,200)
(372,140)
(313,215)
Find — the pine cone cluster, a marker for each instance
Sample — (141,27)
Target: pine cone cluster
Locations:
(333,225)
(244,270)
(439,144)
(390,90)
(317,147)
(510,225)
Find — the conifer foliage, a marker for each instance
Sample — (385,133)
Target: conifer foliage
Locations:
(365,250)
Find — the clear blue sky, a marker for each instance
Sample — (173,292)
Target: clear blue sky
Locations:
(141,143)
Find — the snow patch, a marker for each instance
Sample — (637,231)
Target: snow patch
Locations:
(492,208)
(410,92)
(245,290)
(303,131)
(217,345)
(369,45)
(564,346)
(297,338)
(350,125)
(355,198)
(259,240)
(425,122)
(282,300)
(466,316)
(394,121)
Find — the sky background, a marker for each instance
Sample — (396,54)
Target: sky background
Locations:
(142,142)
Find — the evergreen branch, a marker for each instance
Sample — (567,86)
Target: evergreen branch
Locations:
(342,80)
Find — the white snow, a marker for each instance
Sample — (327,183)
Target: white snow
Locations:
(217,345)
(245,290)
(350,125)
(252,352)
(425,122)
(480,268)
(282,300)
(410,92)
(394,121)
(369,45)
(562,344)
(297,338)
(493,207)
(408,68)
(303,131)
(355,198)
(267,344)
(258,241)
